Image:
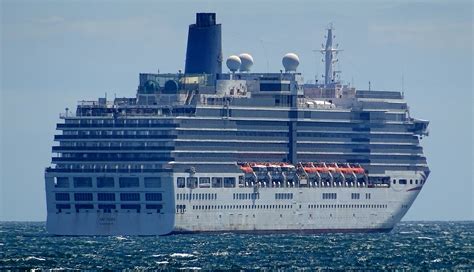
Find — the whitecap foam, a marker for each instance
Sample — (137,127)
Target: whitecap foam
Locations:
(424,238)
(181,255)
(223,253)
(34,258)
(162,262)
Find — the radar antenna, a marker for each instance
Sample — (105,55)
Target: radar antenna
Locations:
(330,52)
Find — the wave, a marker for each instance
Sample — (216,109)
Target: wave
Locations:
(181,255)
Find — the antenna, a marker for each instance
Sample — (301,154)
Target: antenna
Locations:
(369,85)
(330,59)
(403,83)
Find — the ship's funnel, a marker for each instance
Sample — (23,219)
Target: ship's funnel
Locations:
(204,51)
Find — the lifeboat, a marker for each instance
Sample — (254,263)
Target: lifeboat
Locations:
(272,167)
(246,169)
(321,168)
(345,168)
(258,167)
(332,167)
(286,167)
(357,169)
(309,168)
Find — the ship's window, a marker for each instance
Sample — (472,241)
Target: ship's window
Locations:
(192,182)
(84,206)
(402,181)
(63,206)
(394,181)
(106,197)
(106,206)
(411,181)
(61,182)
(62,196)
(284,196)
(130,207)
(129,196)
(329,196)
(83,196)
(204,182)
(367,196)
(229,182)
(216,182)
(129,182)
(82,182)
(355,196)
(154,182)
(180,208)
(105,182)
(181,182)
(416,181)
(153,197)
(274,87)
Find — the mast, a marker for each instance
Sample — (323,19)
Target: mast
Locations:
(330,59)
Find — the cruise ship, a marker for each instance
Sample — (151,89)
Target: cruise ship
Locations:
(235,151)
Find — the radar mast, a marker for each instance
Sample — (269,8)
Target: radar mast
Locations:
(330,59)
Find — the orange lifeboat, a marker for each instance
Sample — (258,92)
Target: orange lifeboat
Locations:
(245,167)
(309,168)
(357,169)
(321,168)
(332,167)
(345,169)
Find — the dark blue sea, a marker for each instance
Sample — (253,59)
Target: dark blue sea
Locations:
(411,245)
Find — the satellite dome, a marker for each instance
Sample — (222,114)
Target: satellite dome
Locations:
(171,86)
(247,62)
(150,86)
(290,62)
(233,63)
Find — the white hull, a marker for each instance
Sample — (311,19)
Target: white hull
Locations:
(306,211)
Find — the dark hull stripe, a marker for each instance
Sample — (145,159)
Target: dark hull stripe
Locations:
(294,231)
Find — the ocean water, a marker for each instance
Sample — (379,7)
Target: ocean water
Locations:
(411,245)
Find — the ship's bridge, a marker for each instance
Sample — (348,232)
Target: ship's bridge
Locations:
(192,89)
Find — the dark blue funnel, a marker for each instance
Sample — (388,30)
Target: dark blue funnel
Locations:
(204,51)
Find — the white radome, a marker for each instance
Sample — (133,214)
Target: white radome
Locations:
(290,62)
(247,62)
(233,63)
